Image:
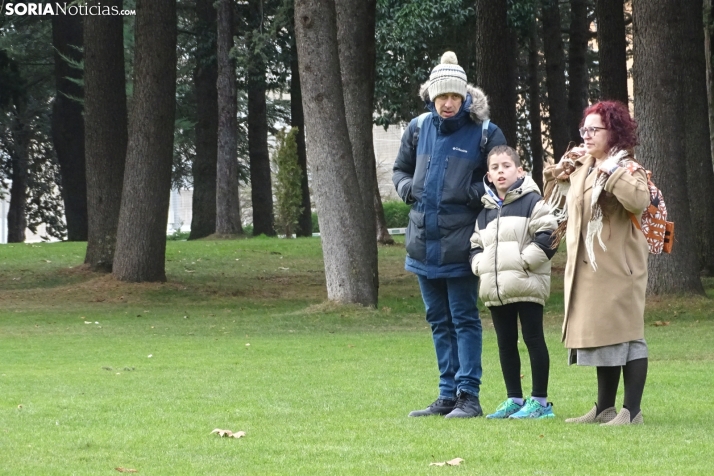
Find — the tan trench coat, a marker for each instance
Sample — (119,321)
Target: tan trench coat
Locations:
(606,306)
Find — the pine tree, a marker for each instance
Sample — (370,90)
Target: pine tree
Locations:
(288,184)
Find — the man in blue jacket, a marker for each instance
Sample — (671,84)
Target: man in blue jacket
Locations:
(439,171)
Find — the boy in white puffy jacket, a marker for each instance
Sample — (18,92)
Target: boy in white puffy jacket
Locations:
(511,252)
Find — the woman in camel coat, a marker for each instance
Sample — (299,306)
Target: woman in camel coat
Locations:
(606,268)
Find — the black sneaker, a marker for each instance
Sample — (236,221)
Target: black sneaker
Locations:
(467,406)
(440,407)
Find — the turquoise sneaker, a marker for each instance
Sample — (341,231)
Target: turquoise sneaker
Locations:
(533,409)
(505,409)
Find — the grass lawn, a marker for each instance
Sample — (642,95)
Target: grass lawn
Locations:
(97,375)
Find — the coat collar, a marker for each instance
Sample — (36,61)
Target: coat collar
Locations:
(519,188)
(577,178)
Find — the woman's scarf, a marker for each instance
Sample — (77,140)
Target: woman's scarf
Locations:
(556,198)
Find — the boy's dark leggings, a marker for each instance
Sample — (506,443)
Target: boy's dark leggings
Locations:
(505,321)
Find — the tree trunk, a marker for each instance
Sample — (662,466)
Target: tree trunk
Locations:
(658,42)
(141,237)
(612,48)
(708,52)
(297,119)
(106,133)
(695,119)
(260,185)
(495,63)
(203,218)
(228,220)
(68,123)
(346,248)
(19,160)
(383,236)
(357,56)
(555,78)
(577,67)
(534,107)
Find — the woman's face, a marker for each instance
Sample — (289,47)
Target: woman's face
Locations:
(595,141)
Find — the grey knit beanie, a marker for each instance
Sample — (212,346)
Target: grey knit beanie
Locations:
(447,77)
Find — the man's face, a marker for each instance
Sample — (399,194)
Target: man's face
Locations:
(447,105)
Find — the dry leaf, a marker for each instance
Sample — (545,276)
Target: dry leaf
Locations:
(660,323)
(126,470)
(453,462)
(228,433)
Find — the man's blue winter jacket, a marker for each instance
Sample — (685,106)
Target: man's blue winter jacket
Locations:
(443,180)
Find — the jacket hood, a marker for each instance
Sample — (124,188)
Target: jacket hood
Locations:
(478,111)
(518,189)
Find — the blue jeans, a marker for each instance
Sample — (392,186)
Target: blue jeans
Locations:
(456,328)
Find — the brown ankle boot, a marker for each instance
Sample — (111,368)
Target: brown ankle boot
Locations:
(593,416)
(623,418)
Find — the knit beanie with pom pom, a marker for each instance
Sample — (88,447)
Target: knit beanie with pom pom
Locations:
(447,77)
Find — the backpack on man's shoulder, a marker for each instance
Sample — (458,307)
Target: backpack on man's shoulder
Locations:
(654,225)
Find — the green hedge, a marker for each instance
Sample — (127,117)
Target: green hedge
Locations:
(396,214)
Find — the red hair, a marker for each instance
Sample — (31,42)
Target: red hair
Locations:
(617,120)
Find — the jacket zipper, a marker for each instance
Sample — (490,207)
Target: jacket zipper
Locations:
(426,174)
(495,254)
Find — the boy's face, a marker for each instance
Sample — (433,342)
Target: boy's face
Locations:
(447,105)
(503,173)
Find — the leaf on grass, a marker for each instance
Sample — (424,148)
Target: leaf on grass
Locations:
(126,470)
(660,323)
(453,462)
(228,433)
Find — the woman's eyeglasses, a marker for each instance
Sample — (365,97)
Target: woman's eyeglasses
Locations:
(590,131)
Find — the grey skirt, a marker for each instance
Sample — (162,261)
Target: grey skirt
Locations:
(610,355)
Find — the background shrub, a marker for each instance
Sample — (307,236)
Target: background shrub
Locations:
(315,224)
(396,213)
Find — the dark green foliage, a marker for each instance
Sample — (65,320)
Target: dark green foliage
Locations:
(11,82)
(288,191)
(27,72)
(315,224)
(411,36)
(396,213)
